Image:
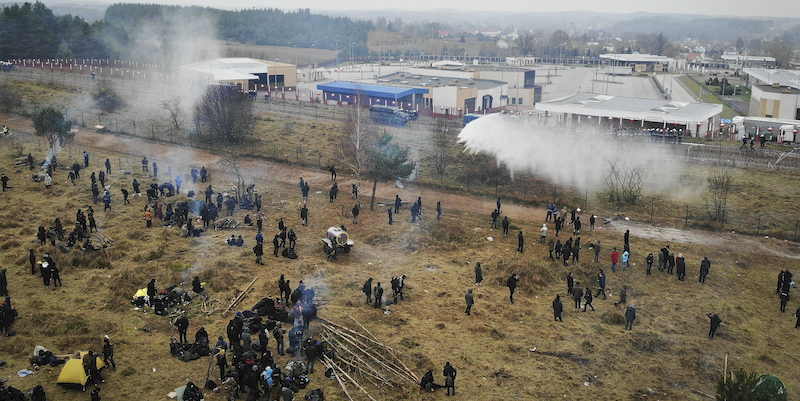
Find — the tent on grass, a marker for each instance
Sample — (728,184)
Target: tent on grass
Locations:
(770,387)
(72,374)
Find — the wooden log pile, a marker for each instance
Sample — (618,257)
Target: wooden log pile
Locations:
(226,222)
(240,295)
(359,356)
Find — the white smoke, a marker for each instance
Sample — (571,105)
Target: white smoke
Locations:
(580,160)
(51,154)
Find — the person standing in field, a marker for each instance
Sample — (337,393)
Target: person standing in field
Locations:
(470,300)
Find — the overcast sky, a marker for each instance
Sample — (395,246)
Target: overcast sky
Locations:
(770,8)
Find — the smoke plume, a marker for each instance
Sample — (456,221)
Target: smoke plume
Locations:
(578,159)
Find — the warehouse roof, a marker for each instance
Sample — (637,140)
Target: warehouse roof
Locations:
(232,69)
(632,108)
(788,78)
(384,91)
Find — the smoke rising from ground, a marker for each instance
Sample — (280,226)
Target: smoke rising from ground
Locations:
(578,159)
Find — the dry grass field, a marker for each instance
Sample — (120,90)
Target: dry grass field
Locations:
(502,351)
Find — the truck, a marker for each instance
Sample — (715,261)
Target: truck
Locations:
(337,241)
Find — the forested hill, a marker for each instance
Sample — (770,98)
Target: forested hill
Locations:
(33,31)
(253,26)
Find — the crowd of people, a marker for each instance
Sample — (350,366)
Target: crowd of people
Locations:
(254,368)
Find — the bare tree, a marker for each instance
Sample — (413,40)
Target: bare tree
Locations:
(231,162)
(719,186)
(173,107)
(612,183)
(782,49)
(224,115)
(359,137)
(624,183)
(443,140)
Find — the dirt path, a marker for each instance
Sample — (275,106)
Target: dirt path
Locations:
(264,171)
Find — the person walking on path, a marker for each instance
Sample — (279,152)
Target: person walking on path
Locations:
(470,300)
(512,283)
(356,211)
(543,232)
(478,273)
(520,242)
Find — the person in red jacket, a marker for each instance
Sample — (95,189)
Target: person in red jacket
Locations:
(614,260)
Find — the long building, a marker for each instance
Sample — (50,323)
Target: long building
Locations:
(693,119)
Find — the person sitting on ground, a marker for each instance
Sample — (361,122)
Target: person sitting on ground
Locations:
(232,240)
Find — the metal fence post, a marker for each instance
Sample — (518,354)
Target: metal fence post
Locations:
(652,209)
(758,227)
(586,200)
(687,215)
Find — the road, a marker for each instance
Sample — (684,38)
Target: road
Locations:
(264,172)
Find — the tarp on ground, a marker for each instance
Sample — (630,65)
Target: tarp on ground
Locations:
(179,391)
(72,374)
(142,292)
(196,206)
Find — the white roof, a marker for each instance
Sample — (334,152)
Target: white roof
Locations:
(447,63)
(740,57)
(644,58)
(232,69)
(588,104)
(788,78)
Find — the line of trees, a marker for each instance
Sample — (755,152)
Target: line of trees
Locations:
(33,31)
(269,26)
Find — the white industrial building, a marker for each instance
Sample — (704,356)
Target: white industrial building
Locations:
(625,112)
